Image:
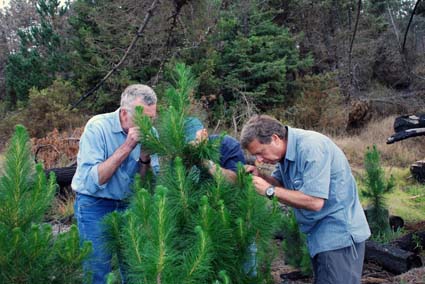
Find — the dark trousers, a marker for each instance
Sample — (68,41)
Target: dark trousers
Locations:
(339,266)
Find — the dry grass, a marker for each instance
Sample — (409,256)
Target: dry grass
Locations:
(398,154)
(63,207)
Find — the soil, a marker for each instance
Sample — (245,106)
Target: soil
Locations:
(372,273)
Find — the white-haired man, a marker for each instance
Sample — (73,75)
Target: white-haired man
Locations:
(109,157)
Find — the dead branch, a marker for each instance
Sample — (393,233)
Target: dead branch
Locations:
(408,25)
(138,34)
(393,25)
(44,146)
(350,53)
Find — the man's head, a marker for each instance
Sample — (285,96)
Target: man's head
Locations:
(264,137)
(137,95)
(194,130)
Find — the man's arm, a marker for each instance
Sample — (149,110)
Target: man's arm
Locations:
(228,174)
(107,168)
(293,198)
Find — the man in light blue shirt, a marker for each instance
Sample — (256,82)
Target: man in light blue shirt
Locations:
(109,157)
(312,175)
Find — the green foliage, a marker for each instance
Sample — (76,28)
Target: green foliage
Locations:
(30,252)
(250,58)
(47,109)
(194,227)
(41,57)
(261,64)
(294,244)
(376,189)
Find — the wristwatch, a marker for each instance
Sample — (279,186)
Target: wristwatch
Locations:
(270,192)
(144,162)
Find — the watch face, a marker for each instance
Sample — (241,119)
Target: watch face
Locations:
(270,192)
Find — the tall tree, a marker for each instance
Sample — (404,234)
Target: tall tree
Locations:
(41,57)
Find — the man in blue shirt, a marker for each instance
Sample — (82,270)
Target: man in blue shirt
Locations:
(109,157)
(312,175)
(230,149)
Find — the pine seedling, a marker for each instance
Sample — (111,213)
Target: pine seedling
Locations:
(30,253)
(376,189)
(193,226)
(294,245)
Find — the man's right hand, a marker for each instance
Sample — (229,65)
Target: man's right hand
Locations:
(133,137)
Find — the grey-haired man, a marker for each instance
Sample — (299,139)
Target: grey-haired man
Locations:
(109,157)
(313,176)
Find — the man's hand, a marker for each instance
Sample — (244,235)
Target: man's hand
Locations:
(133,137)
(260,184)
(252,170)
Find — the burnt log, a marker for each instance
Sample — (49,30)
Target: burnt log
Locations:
(63,177)
(406,122)
(417,170)
(391,258)
(413,242)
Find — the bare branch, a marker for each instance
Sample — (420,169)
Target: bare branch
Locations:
(408,25)
(350,53)
(138,34)
(394,26)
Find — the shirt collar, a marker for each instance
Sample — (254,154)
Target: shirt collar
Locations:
(116,124)
(290,144)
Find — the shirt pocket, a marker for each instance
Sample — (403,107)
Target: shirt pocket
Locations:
(297,181)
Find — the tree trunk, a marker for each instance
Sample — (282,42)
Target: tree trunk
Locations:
(391,258)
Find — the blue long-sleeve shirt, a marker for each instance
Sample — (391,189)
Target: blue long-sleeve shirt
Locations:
(102,136)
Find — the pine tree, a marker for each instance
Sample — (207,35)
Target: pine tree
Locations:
(29,252)
(192,228)
(376,188)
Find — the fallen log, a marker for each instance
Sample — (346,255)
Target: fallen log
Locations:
(391,258)
(413,242)
(63,177)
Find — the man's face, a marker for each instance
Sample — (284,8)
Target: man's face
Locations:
(126,116)
(270,153)
(147,110)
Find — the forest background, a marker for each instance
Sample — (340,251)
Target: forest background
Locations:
(345,67)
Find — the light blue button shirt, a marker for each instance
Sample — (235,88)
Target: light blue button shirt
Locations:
(314,165)
(102,136)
